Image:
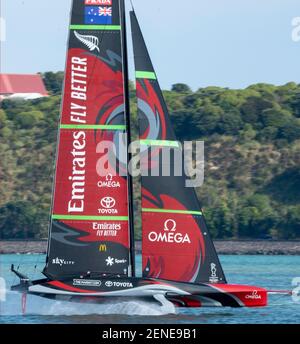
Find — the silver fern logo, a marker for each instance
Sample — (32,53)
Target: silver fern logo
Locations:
(90,41)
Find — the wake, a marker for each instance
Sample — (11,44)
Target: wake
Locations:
(39,306)
(133,307)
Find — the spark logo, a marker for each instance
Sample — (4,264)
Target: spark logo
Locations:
(110,261)
(170,234)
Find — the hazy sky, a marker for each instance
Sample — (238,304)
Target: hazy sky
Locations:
(231,43)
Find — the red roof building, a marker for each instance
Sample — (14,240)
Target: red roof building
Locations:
(26,86)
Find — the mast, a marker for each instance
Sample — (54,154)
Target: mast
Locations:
(128,129)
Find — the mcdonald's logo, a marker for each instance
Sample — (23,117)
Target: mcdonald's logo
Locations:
(102,248)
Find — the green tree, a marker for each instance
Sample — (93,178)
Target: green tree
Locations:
(275,117)
(290,224)
(252,109)
(290,131)
(207,119)
(295,104)
(256,217)
(230,123)
(247,134)
(252,150)
(224,221)
(18,220)
(29,119)
(181,88)
(3,118)
(53,82)
(184,125)
(268,134)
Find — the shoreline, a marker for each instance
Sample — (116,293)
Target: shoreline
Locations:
(223,247)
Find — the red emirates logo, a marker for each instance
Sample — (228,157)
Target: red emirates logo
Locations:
(98,2)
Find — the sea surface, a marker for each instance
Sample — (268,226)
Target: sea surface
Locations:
(271,272)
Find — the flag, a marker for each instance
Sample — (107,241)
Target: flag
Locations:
(97,15)
(98,2)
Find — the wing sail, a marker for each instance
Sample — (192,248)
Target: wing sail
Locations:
(176,244)
(89,229)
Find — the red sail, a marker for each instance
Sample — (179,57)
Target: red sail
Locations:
(89,229)
(176,243)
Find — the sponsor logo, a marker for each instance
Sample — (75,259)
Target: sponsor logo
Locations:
(87,283)
(88,40)
(107,226)
(102,248)
(110,284)
(111,261)
(106,229)
(98,2)
(61,262)
(213,273)
(109,183)
(108,204)
(253,296)
(76,204)
(169,234)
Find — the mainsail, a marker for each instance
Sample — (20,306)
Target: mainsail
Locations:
(176,243)
(90,227)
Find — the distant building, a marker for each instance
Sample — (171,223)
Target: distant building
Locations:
(26,86)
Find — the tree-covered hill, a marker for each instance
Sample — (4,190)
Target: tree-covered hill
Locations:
(252,148)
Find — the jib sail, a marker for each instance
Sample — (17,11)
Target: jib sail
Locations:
(89,230)
(176,243)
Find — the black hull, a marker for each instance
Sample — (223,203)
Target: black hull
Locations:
(102,289)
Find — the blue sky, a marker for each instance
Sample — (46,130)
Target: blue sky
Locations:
(229,43)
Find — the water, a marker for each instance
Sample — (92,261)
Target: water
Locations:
(271,272)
